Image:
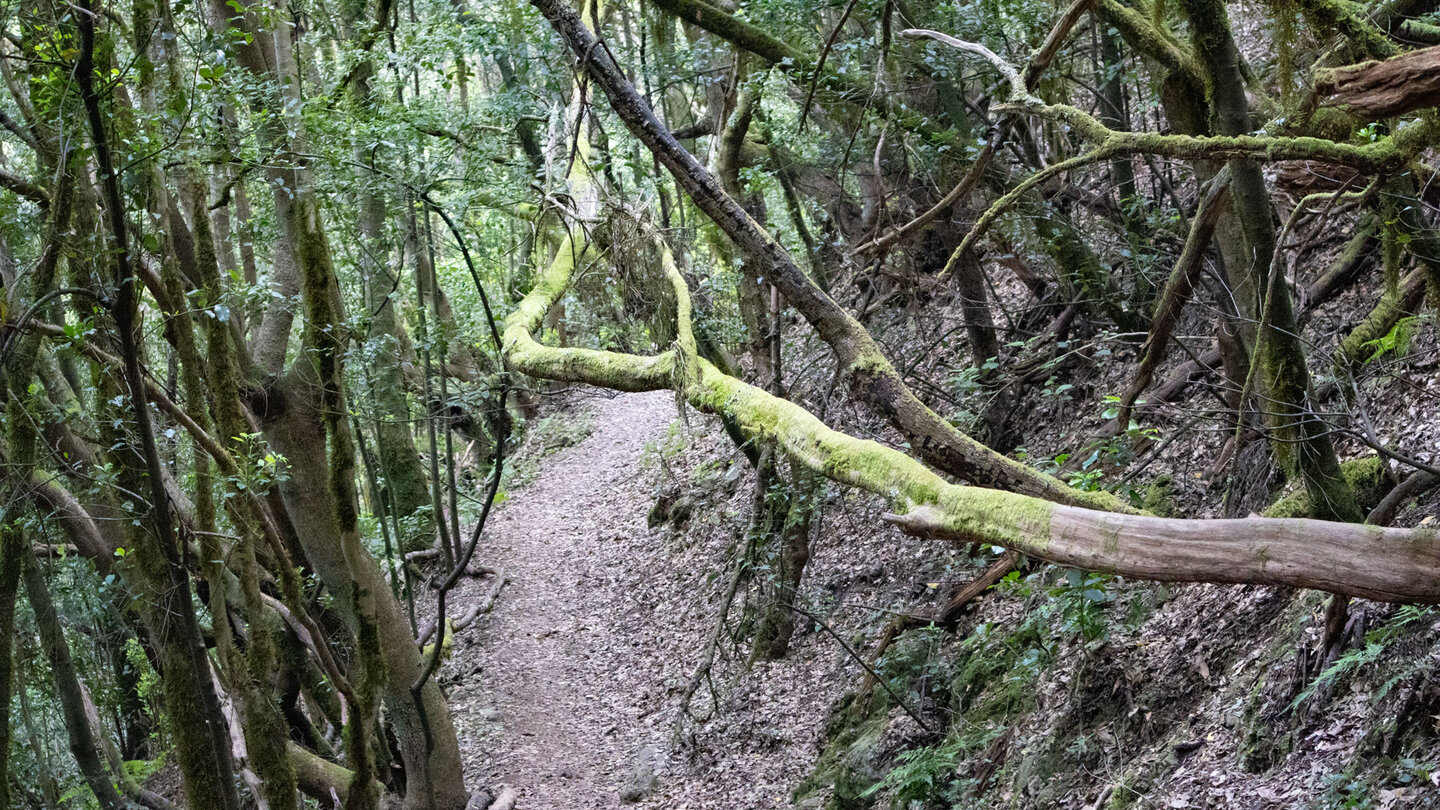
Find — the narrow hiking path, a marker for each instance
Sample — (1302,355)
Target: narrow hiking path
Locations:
(553,694)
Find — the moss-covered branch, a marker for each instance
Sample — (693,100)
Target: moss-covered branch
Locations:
(1146,39)
(1014,195)
(1344,18)
(1385,564)
(1377,157)
(1183,276)
(794,62)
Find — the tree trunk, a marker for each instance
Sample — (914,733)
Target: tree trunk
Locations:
(12,548)
(297,431)
(786,508)
(83,743)
(399,458)
(1373,91)
(199,726)
(1300,438)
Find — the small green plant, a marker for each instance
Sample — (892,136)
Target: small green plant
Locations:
(1056,390)
(262,468)
(1377,641)
(139,770)
(1345,792)
(924,776)
(1086,480)
(1396,341)
(1082,598)
(147,687)
(658,453)
(1015,584)
(968,390)
(1410,771)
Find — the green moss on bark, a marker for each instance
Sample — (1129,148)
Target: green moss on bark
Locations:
(1364,476)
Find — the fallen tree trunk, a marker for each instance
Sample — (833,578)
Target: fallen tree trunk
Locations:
(1374,90)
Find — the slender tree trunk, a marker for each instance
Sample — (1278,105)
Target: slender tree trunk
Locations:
(781,518)
(298,433)
(49,790)
(83,743)
(11,550)
(199,726)
(1301,439)
(394,440)
(788,508)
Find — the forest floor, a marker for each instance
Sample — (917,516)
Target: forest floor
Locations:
(576,673)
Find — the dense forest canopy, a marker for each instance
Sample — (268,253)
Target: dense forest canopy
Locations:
(285,285)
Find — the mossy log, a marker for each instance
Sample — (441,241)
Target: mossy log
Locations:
(1359,347)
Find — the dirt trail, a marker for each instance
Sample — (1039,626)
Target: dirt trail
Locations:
(549,691)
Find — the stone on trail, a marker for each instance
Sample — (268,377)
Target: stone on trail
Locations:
(644,773)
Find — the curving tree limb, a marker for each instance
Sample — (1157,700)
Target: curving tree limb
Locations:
(1396,565)
(1028,80)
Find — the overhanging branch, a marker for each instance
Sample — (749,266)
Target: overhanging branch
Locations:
(1380,157)
(1385,564)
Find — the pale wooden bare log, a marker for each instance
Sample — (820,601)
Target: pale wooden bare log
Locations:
(1364,561)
